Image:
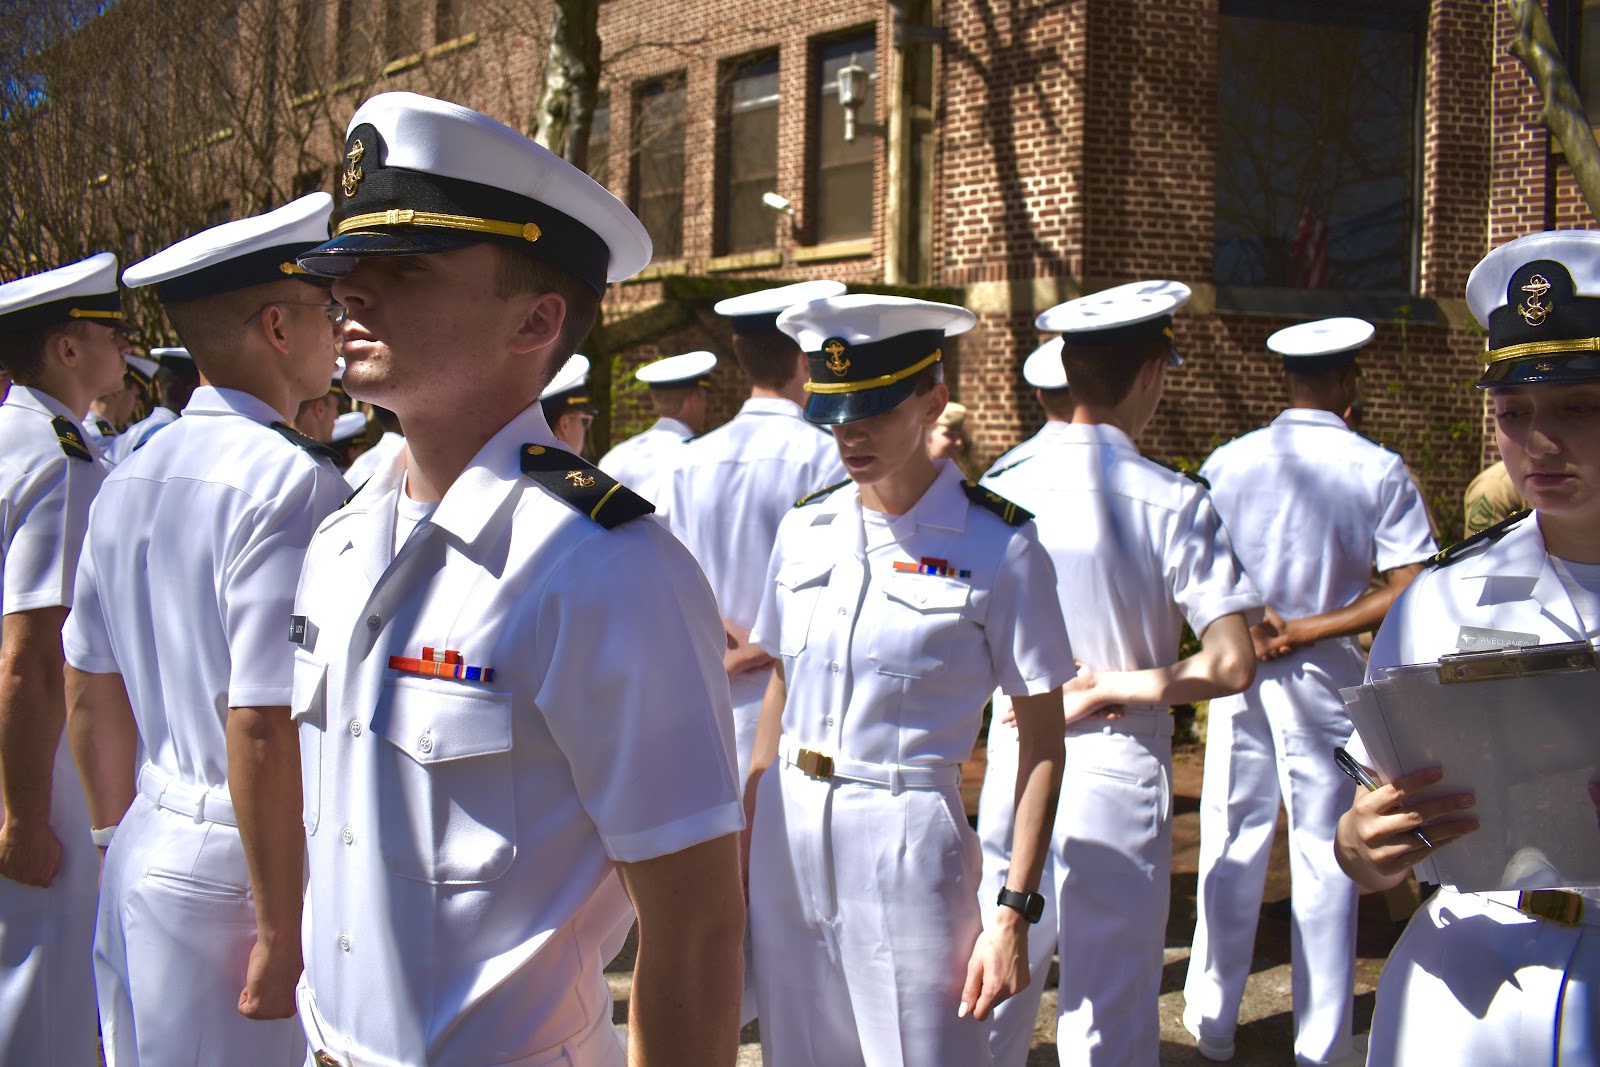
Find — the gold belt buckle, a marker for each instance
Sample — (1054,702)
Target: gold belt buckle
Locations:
(322,1059)
(1553,904)
(815,764)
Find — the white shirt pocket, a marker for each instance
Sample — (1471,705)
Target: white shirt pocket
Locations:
(445,782)
(800,586)
(308,706)
(918,623)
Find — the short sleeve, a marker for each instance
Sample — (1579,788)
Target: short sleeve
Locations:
(635,695)
(1208,581)
(46,514)
(1403,535)
(1025,632)
(765,630)
(86,638)
(259,581)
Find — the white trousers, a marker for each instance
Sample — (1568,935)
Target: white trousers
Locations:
(1011,1036)
(1275,741)
(747,691)
(1113,854)
(46,944)
(1473,983)
(863,911)
(177,923)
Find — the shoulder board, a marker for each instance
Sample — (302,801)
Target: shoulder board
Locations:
(104,427)
(1193,476)
(1488,536)
(583,486)
(310,444)
(354,494)
(992,501)
(1001,470)
(70,438)
(812,498)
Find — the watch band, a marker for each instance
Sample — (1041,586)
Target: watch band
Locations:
(1029,905)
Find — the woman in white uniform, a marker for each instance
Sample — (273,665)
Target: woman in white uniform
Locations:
(1501,978)
(896,602)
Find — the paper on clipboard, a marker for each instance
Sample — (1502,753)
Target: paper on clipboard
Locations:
(1521,729)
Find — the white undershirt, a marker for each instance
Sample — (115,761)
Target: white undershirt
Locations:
(1582,582)
(409,514)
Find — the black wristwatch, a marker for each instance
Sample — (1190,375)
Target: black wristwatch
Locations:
(1031,905)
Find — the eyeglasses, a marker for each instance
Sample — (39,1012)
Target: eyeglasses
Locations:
(337,313)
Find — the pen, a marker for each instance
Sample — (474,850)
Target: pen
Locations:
(1349,766)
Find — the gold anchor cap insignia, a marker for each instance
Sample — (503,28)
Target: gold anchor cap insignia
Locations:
(580,479)
(836,360)
(1533,312)
(351,180)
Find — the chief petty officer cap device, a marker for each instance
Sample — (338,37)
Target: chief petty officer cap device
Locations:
(864,351)
(235,255)
(85,291)
(758,312)
(421,175)
(1135,314)
(1321,345)
(677,372)
(1539,298)
(1043,370)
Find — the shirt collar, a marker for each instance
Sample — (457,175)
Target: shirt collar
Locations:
(213,400)
(1518,567)
(1101,433)
(26,396)
(944,504)
(1311,416)
(672,426)
(489,479)
(771,405)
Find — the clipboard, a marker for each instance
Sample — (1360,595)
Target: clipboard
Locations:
(1520,728)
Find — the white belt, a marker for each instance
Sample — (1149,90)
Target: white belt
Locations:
(895,778)
(197,802)
(1555,905)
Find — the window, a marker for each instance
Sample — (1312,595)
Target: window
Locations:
(402,28)
(750,160)
(658,170)
(355,37)
(219,212)
(451,19)
(1317,159)
(600,141)
(843,190)
(311,35)
(307,181)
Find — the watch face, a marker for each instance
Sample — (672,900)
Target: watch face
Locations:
(1033,911)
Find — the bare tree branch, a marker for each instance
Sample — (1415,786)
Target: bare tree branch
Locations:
(1562,113)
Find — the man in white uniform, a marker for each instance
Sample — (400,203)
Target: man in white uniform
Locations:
(108,413)
(174,382)
(380,456)
(1313,508)
(732,486)
(997,810)
(677,387)
(60,336)
(1138,550)
(513,719)
(180,675)
(565,402)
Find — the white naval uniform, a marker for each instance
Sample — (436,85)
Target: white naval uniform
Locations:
(380,456)
(642,462)
(135,436)
(184,589)
(1312,506)
(463,835)
(1473,982)
(863,906)
(724,500)
(1138,550)
(47,935)
(100,433)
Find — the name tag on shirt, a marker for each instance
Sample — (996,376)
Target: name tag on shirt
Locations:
(1483,639)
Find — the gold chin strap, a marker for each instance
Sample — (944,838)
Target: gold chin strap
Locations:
(528,231)
(1573,347)
(875,383)
(84,313)
(292,269)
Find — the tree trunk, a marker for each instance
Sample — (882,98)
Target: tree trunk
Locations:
(571,81)
(1563,113)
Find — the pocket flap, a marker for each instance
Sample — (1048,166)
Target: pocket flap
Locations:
(800,573)
(434,722)
(925,593)
(308,702)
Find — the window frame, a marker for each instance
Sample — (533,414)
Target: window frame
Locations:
(730,73)
(822,94)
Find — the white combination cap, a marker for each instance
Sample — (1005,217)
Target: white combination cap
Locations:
(346,427)
(864,350)
(1138,313)
(1043,370)
(237,254)
(677,371)
(144,370)
(1539,298)
(172,356)
(1321,344)
(568,389)
(422,175)
(755,312)
(85,290)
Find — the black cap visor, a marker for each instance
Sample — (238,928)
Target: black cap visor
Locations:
(834,409)
(1542,370)
(338,257)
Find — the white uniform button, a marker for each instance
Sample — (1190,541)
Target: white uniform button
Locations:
(348,835)
(344,942)
(834,666)
(828,721)
(373,622)
(425,743)
(355,727)
(922,598)
(844,611)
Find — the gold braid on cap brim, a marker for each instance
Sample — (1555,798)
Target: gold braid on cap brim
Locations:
(1576,346)
(875,383)
(85,313)
(528,231)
